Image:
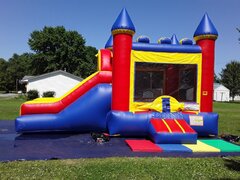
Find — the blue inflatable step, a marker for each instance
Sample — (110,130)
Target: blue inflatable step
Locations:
(171,131)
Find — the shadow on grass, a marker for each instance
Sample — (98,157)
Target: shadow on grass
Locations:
(231,164)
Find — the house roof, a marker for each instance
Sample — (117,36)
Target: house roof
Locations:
(27,79)
(217,85)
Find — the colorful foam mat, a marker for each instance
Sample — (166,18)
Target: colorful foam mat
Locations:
(204,145)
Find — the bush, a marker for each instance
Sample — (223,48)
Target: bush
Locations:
(32,94)
(49,94)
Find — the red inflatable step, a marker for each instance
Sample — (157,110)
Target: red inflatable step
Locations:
(171,125)
(143,146)
(171,131)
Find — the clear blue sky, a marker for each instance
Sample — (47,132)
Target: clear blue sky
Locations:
(94,18)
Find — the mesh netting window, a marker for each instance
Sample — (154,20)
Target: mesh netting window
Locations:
(156,79)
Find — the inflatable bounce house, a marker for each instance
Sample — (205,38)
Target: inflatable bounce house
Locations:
(162,91)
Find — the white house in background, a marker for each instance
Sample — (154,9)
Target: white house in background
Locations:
(58,81)
(221,93)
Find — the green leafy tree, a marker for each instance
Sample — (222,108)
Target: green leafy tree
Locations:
(18,67)
(54,49)
(216,79)
(3,67)
(90,64)
(57,49)
(230,77)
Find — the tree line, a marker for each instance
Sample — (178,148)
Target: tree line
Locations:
(230,78)
(53,48)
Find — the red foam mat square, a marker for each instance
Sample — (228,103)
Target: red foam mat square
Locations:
(143,146)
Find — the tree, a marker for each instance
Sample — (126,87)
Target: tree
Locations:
(90,64)
(57,49)
(230,77)
(18,67)
(216,79)
(54,49)
(3,67)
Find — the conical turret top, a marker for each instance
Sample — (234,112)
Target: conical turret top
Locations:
(109,43)
(174,39)
(206,29)
(123,24)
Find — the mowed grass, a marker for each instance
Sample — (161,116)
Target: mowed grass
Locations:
(9,108)
(124,168)
(129,168)
(229,117)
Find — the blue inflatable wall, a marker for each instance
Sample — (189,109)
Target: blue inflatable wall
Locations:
(131,124)
(127,123)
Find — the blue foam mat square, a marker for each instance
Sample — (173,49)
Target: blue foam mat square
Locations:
(174,148)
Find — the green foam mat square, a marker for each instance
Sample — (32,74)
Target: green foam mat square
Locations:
(222,145)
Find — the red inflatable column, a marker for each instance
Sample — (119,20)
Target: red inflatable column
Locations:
(208,46)
(122,46)
(205,36)
(122,31)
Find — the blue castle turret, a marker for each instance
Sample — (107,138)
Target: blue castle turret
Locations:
(123,23)
(109,43)
(205,29)
(174,40)
(205,36)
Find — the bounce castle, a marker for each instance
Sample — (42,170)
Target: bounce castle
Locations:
(162,91)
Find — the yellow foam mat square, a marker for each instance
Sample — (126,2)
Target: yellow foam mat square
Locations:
(201,147)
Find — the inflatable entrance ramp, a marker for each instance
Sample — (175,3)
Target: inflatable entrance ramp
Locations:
(171,131)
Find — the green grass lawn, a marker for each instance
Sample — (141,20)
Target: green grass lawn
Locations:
(229,117)
(124,168)
(129,168)
(9,108)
